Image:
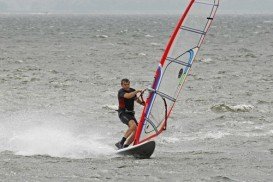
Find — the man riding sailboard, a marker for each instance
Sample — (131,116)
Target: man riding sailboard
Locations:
(169,78)
(126,97)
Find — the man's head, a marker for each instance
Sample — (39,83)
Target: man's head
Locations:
(125,84)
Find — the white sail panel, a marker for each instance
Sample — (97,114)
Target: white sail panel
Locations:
(174,67)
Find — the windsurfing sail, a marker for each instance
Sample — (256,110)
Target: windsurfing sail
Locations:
(174,67)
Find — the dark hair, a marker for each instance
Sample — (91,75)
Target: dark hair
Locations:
(125,80)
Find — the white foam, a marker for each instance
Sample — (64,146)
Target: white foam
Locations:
(214,135)
(206,60)
(102,36)
(235,108)
(268,21)
(32,134)
(256,134)
(154,44)
(124,31)
(149,36)
(242,107)
(205,135)
(169,139)
(142,54)
(55,142)
(19,61)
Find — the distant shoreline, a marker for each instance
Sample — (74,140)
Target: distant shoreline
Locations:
(118,13)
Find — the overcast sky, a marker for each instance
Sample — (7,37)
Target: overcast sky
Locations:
(129,6)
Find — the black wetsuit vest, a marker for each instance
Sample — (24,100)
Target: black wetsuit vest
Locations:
(126,105)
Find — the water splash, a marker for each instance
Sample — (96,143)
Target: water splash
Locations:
(42,134)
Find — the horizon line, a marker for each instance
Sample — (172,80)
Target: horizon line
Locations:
(123,12)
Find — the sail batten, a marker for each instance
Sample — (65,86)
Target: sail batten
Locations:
(193,30)
(199,2)
(174,67)
(178,61)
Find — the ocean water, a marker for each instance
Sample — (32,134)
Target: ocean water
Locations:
(59,77)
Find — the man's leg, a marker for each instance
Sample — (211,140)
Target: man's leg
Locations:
(132,128)
(129,134)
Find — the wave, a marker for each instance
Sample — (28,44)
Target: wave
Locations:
(123,31)
(196,136)
(149,36)
(268,21)
(228,108)
(206,60)
(256,133)
(265,102)
(141,54)
(244,50)
(214,135)
(154,44)
(221,178)
(110,107)
(250,55)
(168,140)
(102,36)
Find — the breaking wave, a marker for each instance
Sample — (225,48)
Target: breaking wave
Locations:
(229,108)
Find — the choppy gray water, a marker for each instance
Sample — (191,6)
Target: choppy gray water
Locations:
(59,76)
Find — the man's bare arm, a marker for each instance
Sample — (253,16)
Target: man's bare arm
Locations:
(140,101)
(131,95)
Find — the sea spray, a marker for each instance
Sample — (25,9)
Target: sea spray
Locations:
(42,133)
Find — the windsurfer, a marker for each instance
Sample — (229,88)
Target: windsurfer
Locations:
(126,97)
